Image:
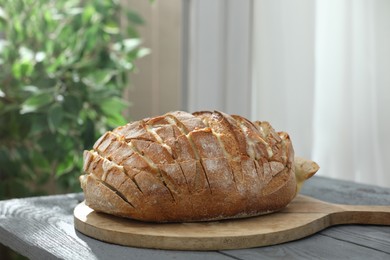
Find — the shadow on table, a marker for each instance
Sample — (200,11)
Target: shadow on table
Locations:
(7,253)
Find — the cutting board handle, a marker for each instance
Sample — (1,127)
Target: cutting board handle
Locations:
(361,214)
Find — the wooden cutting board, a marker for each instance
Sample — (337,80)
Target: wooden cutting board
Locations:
(303,216)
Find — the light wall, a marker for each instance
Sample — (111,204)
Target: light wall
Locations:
(156,85)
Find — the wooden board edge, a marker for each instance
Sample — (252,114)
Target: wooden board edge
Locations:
(198,243)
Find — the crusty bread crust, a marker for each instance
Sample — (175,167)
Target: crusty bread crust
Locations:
(183,167)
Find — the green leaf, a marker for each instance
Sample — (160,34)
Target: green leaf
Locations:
(4,156)
(65,127)
(35,102)
(72,105)
(58,62)
(50,147)
(26,54)
(18,27)
(143,52)
(88,13)
(91,37)
(115,120)
(132,32)
(22,68)
(66,164)
(113,106)
(38,124)
(54,117)
(3,14)
(30,88)
(98,78)
(48,17)
(24,123)
(49,47)
(40,161)
(111,28)
(88,138)
(134,17)
(127,45)
(74,10)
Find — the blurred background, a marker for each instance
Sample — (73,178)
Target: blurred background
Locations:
(71,70)
(316,69)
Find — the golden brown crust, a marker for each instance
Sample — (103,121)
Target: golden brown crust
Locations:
(190,167)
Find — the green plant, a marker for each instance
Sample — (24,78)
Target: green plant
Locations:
(63,68)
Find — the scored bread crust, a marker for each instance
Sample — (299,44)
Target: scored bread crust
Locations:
(182,167)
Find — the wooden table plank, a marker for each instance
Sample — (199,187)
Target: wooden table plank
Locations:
(313,247)
(376,237)
(42,228)
(345,192)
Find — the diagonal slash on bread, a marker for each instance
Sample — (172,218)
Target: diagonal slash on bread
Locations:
(182,167)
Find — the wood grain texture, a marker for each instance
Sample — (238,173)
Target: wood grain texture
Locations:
(303,217)
(375,237)
(345,192)
(313,247)
(42,228)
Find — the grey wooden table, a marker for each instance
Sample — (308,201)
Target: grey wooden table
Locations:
(42,228)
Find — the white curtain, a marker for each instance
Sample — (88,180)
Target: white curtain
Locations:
(321,71)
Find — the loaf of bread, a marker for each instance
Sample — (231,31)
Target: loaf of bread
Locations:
(183,167)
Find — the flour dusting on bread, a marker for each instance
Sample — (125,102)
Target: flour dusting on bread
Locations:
(183,167)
